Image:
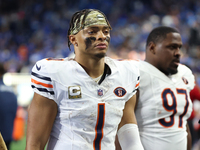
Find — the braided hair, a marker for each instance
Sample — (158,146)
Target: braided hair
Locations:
(76,18)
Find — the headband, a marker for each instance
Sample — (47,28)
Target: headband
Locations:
(93,18)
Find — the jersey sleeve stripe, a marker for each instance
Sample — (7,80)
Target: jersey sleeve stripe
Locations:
(43,90)
(138,78)
(40,83)
(136,86)
(40,76)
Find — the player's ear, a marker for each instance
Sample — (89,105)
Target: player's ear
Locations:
(151,47)
(72,39)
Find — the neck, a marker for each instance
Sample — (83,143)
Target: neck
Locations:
(151,60)
(157,66)
(147,60)
(93,66)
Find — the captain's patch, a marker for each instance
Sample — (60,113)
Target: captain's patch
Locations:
(74,92)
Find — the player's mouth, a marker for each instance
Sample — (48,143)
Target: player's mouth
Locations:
(176,62)
(101,46)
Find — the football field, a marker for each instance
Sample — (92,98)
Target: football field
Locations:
(19,145)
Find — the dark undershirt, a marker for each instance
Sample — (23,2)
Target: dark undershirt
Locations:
(107,72)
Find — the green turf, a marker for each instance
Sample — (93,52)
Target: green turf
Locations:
(18,145)
(21,144)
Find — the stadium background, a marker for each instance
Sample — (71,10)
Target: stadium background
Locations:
(35,29)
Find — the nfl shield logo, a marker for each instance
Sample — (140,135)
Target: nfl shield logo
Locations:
(100,92)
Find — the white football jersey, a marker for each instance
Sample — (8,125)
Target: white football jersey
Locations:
(163,107)
(88,113)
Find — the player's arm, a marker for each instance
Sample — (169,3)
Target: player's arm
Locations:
(189,138)
(41,115)
(128,134)
(2,143)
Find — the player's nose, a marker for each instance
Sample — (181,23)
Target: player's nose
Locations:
(101,35)
(178,52)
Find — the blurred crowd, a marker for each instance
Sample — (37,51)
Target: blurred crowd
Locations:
(36,29)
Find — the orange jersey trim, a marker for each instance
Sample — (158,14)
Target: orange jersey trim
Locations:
(43,84)
(137,84)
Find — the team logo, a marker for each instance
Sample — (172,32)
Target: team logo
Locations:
(185,80)
(120,91)
(100,92)
(38,68)
(74,92)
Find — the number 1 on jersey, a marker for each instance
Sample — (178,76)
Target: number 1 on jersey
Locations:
(99,126)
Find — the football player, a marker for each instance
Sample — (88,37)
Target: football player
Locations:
(82,103)
(164,104)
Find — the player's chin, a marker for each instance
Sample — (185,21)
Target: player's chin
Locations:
(100,55)
(172,70)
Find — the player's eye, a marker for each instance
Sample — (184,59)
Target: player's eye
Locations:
(106,31)
(172,47)
(91,32)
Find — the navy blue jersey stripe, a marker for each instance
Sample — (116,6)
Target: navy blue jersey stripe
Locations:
(138,78)
(43,90)
(40,76)
(182,91)
(99,127)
